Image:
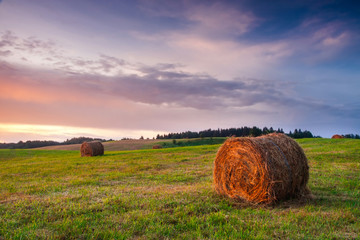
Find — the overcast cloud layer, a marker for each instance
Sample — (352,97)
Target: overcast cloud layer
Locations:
(148,67)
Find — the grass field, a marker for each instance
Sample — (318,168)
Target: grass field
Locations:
(168,194)
(113,145)
(124,145)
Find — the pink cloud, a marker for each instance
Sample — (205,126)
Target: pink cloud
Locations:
(226,58)
(336,41)
(316,41)
(37,96)
(218,19)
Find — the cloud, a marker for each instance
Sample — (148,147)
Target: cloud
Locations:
(155,85)
(72,79)
(162,85)
(178,65)
(29,44)
(231,44)
(36,52)
(165,83)
(33,44)
(152,97)
(210,18)
(7,38)
(208,38)
(5,53)
(315,40)
(219,20)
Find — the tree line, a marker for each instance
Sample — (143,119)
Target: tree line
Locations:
(353,136)
(209,133)
(39,143)
(237,132)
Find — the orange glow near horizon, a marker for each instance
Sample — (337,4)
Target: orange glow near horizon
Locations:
(60,133)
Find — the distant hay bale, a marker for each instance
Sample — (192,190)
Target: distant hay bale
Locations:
(157,147)
(264,169)
(336,136)
(89,149)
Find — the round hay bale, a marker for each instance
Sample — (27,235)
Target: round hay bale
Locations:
(89,149)
(157,147)
(262,169)
(336,136)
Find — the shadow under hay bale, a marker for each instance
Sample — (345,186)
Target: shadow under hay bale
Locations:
(89,149)
(264,169)
(336,136)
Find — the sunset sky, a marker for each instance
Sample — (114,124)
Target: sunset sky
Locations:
(114,69)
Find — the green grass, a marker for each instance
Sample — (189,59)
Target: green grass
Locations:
(168,194)
(192,142)
(137,144)
(122,145)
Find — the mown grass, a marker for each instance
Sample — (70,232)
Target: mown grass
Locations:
(121,145)
(168,194)
(192,142)
(138,144)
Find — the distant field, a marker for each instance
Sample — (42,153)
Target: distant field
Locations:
(125,145)
(168,194)
(112,146)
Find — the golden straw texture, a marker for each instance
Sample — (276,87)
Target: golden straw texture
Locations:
(336,136)
(89,149)
(261,170)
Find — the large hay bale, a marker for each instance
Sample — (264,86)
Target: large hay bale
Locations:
(89,149)
(336,136)
(261,170)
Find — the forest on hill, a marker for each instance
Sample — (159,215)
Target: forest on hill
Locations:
(237,132)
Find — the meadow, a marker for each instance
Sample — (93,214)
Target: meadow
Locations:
(168,194)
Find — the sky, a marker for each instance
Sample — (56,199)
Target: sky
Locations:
(131,68)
